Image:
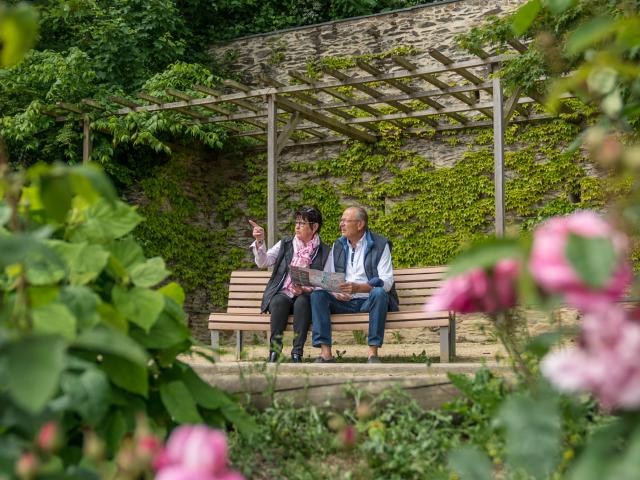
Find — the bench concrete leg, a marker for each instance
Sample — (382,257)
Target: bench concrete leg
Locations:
(239,344)
(452,335)
(215,343)
(445,344)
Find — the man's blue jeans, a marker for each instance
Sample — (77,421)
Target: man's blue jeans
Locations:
(323,304)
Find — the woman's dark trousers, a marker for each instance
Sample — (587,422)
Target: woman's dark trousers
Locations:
(281,306)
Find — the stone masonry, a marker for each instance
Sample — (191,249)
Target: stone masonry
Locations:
(422,27)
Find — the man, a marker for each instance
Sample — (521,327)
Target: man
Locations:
(365,259)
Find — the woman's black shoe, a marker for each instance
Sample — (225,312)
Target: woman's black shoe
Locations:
(296,358)
(273,357)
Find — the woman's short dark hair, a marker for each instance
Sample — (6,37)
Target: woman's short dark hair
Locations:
(309,214)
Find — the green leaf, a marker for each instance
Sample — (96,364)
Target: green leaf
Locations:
(91,183)
(241,420)
(173,291)
(127,251)
(559,6)
(204,394)
(533,434)
(524,16)
(19,247)
(127,375)
(485,255)
(628,465)
(471,464)
(85,261)
(5,213)
(105,340)
(165,332)
(593,259)
(106,222)
(56,194)
(600,453)
(139,305)
(150,273)
(54,318)
(590,33)
(88,393)
(114,429)
(541,344)
(83,303)
(18,32)
(40,296)
(179,402)
(114,319)
(44,269)
(33,368)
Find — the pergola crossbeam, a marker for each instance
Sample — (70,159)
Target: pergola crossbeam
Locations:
(426,113)
(436,82)
(366,89)
(325,121)
(412,92)
(299,95)
(348,101)
(157,100)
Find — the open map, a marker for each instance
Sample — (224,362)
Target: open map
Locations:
(308,277)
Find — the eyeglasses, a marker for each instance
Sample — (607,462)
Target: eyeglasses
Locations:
(302,224)
(346,220)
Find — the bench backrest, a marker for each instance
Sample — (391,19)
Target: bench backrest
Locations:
(414,287)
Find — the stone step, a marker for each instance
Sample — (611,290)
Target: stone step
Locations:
(329,384)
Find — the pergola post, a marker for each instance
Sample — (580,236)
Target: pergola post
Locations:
(86,139)
(272,168)
(498,151)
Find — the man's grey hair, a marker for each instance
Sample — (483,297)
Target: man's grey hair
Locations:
(361,214)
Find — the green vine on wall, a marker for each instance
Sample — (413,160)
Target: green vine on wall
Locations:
(177,210)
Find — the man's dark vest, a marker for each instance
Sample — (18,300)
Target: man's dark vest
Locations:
(281,268)
(374,248)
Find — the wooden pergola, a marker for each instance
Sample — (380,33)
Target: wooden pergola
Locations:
(348,104)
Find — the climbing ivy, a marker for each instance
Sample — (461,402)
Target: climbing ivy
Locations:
(182,226)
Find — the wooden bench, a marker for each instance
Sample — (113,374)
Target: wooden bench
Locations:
(414,287)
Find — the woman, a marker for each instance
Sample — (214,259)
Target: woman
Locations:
(281,297)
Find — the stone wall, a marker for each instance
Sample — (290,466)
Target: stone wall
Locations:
(430,26)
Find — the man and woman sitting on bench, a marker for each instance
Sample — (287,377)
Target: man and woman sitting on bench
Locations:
(363,256)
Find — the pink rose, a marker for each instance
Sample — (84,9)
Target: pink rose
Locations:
(27,466)
(605,363)
(48,439)
(478,290)
(553,272)
(194,452)
(178,472)
(198,447)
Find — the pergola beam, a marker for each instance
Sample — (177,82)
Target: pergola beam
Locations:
(436,82)
(427,113)
(325,121)
(348,101)
(411,91)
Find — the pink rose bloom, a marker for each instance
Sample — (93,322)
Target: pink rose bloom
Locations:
(605,363)
(194,452)
(553,272)
(478,290)
(198,447)
(48,438)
